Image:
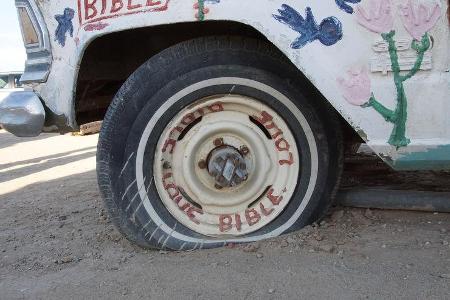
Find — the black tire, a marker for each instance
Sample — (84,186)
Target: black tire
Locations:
(181,66)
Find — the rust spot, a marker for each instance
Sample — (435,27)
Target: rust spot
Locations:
(218,142)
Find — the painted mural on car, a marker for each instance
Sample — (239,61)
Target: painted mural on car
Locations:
(418,17)
(400,41)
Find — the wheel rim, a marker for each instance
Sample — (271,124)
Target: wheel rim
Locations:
(226,166)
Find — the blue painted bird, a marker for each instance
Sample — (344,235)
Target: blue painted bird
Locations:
(329,32)
(64,25)
(345,7)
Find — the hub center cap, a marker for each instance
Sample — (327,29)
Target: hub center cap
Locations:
(227,165)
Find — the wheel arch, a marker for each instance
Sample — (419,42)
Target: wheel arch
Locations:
(101,73)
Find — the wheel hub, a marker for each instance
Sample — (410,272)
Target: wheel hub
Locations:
(227,165)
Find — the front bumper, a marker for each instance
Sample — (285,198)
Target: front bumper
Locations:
(22,114)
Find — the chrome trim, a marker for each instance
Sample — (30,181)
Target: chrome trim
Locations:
(39,56)
(22,114)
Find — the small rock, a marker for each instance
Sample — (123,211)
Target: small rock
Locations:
(445,243)
(443,230)
(115,237)
(358,216)
(369,214)
(284,244)
(271,291)
(163,252)
(318,236)
(259,255)
(383,246)
(62,218)
(67,259)
(230,245)
(290,240)
(251,247)
(427,244)
(326,248)
(324,224)
(307,230)
(446,276)
(337,216)
(340,253)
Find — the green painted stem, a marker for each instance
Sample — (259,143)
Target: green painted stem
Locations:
(399,116)
(201,6)
(387,114)
(420,49)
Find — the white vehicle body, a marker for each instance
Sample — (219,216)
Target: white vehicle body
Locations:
(359,58)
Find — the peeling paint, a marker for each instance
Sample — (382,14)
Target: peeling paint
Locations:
(437,158)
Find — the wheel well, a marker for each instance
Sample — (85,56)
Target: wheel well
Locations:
(110,59)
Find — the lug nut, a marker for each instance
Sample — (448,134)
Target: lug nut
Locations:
(202,164)
(244,150)
(219,187)
(218,142)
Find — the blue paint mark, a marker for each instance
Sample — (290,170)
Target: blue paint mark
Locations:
(329,32)
(431,159)
(345,7)
(64,25)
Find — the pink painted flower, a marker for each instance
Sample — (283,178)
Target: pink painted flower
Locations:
(378,17)
(356,87)
(419,17)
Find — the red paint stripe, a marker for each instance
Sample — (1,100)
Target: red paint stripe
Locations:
(79,12)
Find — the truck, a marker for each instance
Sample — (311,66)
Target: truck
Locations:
(226,121)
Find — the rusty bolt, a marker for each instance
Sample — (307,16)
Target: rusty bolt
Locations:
(218,142)
(219,187)
(244,150)
(202,164)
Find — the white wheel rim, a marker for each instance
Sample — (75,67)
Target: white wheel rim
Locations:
(187,188)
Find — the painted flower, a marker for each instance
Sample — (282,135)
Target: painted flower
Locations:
(356,87)
(419,17)
(197,7)
(378,17)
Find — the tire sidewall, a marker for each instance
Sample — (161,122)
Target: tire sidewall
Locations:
(131,120)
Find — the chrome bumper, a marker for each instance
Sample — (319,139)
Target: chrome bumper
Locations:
(22,114)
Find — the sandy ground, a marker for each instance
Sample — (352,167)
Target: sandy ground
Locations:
(56,242)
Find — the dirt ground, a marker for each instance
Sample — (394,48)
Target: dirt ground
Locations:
(56,242)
